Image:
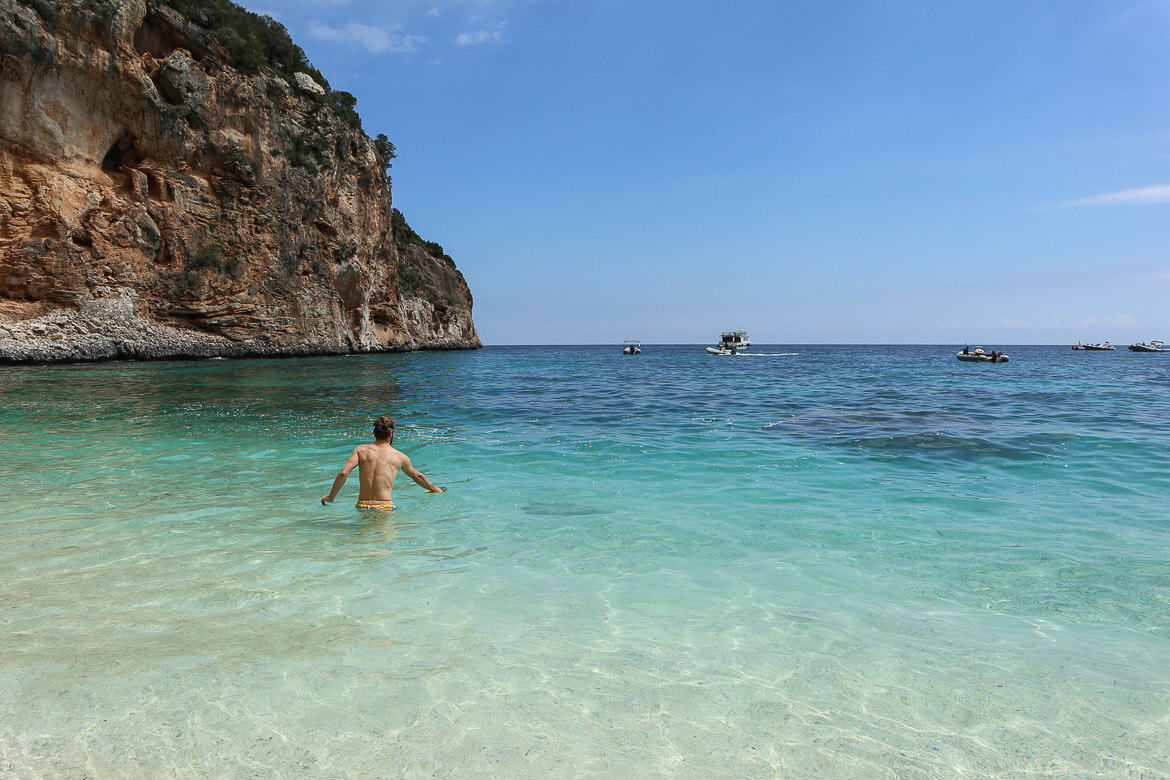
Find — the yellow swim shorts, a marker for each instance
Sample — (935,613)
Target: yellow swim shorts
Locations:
(379,506)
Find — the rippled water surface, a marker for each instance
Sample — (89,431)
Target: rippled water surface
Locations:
(829,561)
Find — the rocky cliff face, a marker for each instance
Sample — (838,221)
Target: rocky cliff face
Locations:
(155,202)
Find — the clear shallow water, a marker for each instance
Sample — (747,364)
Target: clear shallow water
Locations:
(830,561)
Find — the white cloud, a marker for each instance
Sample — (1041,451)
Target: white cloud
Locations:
(1114,321)
(1142,196)
(375,40)
(1093,321)
(970,327)
(493,34)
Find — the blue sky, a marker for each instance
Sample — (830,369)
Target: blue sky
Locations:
(815,172)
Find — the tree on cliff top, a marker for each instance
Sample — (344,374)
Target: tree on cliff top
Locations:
(386,151)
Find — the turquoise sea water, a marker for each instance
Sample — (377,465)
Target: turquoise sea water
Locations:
(822,561)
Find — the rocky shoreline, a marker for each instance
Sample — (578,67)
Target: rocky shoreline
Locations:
(108,328)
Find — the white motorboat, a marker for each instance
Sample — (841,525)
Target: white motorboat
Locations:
(1153,346)
(980,355)
(731,342)
(631,347)
(1104,345)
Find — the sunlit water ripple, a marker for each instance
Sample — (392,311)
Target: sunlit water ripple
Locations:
(835,561)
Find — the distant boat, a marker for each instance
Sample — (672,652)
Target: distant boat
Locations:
(1153,346)
(1104,345)
(730,343)
(632,347)
(980,355)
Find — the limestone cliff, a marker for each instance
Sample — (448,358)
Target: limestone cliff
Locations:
(156,201)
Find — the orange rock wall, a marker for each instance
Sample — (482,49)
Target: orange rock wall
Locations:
(155,202)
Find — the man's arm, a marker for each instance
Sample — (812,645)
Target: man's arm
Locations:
(339,480)
(420,478)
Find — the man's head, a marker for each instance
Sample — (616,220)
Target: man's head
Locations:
(384,428)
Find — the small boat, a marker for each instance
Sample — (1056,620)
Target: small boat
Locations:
(730,343)
(1153,346)
(631,347)
(1104,345)
(980,355)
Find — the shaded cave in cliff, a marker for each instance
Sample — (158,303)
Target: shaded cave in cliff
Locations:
(123,155)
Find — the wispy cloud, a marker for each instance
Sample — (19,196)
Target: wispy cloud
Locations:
(1154,276)
(1006,323)
(1094,321)
(492,34)
(1139,197)
(375,40)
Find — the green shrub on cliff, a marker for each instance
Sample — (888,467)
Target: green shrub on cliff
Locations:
(343,104)
(210,258)
(411,277)
(405,236)
(207,257)
(188,284)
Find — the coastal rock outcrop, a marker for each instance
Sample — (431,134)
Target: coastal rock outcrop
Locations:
(156,201)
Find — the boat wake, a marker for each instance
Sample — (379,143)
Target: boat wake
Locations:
(759,354)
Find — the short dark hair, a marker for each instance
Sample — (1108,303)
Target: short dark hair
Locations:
(383,427)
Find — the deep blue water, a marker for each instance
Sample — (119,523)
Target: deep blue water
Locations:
(830,560)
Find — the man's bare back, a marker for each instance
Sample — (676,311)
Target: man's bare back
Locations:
(378,464)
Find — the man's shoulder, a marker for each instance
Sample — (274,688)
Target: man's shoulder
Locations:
(396,456)
(384,451)
(367,449)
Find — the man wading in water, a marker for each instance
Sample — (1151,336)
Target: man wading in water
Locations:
(378,465)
